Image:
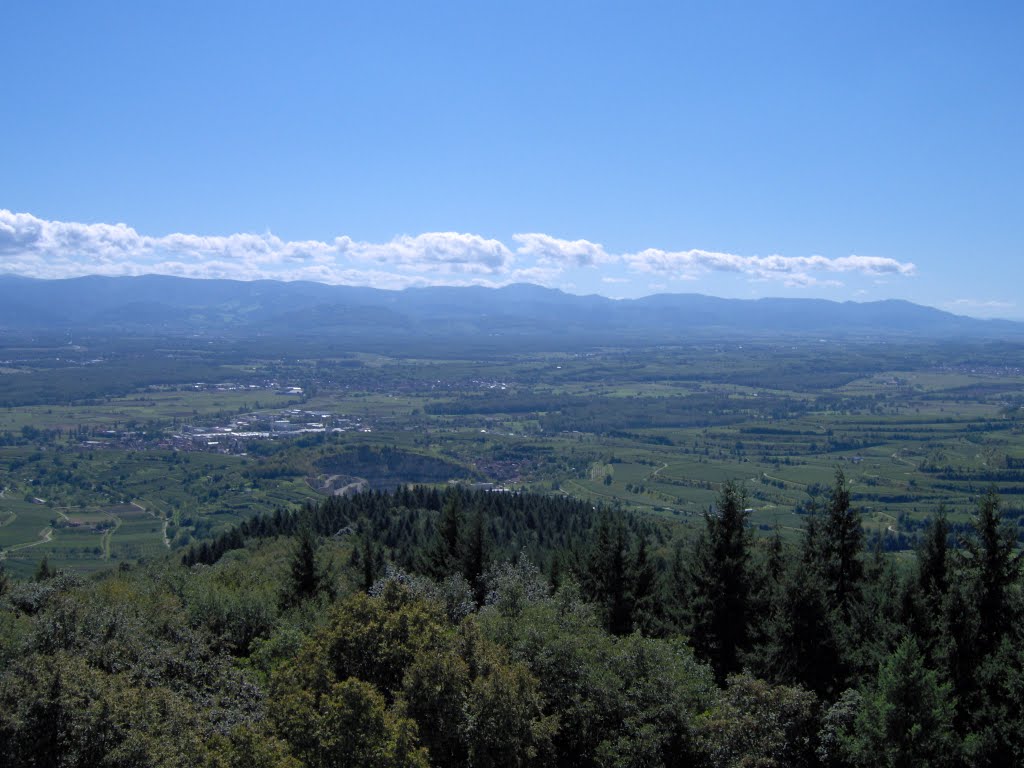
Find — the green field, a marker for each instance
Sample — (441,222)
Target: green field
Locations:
(104,480)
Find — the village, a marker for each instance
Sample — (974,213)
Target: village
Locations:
(234,434)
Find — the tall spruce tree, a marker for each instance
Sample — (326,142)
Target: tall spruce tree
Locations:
(307,578)
(643,589)
(800,646)
(933,560)
(907,717)
(994,563)
(444,557)
(368,558)
(475,556)
(44,571)
(929,586)
(606,576)
(982,634)
(875,629)
(721,584)
(841,545)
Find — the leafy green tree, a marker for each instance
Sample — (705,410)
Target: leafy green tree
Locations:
(245,747)
(57,710)
(758,724)
(354,728)
(436,687)
(376,638)
(348,723)
(619,700)
(653,713)
(838,724)
(505,722)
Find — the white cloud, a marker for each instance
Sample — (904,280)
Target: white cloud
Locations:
(548,249)
(37,247)
(871,265)
(33,246)
(792,270)
(453,250)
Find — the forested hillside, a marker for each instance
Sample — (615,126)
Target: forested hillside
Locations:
(461,628)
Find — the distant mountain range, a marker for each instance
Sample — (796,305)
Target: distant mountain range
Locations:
(159,305)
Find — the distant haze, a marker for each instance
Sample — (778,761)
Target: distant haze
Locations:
(507,316)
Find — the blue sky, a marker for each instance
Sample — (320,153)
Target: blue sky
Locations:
(839,150)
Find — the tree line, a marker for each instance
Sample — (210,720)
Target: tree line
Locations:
(463,628)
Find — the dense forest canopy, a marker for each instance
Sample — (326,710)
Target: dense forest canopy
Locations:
(472,628)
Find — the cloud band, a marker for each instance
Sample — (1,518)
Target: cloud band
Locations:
(35,247)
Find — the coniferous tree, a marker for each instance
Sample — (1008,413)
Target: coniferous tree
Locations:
(982,634)
(606,575)
(994,564)
(957,650)
(678,588)
(445,554)
(368,561)
(768,573)
(929,586)
(906,719)
(721,584)
(933,560)
(775,561)
(43,571)
(841,543)
(832,549)
(800,646)
(306,576)
(875,626)
(475,556)
(646,613)
(555,575)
